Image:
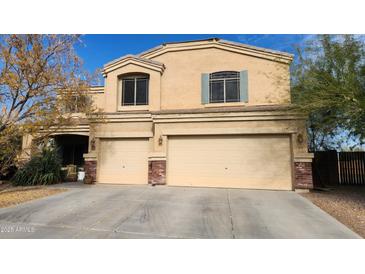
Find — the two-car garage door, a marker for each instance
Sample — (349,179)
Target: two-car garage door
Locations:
(249,161)
(252,161)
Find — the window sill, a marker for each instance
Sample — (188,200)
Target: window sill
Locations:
(133,108)
(233,104)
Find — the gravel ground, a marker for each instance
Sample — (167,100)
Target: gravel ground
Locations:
(345,203)
(16,195)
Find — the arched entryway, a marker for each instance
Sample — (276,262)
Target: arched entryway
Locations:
(72,147)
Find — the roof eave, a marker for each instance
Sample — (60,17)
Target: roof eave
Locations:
(116,63)
(216,41)
(265,50)
(156,66)
(130,56)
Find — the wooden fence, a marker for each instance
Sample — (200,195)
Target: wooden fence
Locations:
(331,168)
(352,168)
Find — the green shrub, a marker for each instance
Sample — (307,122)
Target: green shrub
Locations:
(42,169)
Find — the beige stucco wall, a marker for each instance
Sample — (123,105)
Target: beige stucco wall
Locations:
(289,127)
(112,88)
(268,81)
(98,99)
(121,129)
(144,126)
(179,85)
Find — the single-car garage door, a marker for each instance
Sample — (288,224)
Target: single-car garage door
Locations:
(123,161)
(252,161)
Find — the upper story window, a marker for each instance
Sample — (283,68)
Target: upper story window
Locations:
(224,87)
(135,89)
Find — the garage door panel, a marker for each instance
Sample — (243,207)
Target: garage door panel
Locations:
(260,162)
(123,161)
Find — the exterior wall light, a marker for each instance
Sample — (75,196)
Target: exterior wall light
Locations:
(300,138)
(160,140)
(92,144)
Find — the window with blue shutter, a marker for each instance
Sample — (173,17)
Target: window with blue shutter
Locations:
(225,87)
(244,86)
(205,88)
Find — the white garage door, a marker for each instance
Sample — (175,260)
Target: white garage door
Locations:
(257,162)
(123,161)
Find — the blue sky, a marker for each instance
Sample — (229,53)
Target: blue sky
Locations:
(96,50)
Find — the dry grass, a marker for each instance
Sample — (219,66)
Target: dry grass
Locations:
(346,204)
(16,195)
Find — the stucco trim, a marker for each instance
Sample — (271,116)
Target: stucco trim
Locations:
(96,89)
(124,119)
(304,158)
(132,59)
(90,156)
(234,104)
(157,158)
(224,119)
(221,44)
(133,108)
(123,134)
(213,117)
(198,115)
(157,155)
(85,133)
(80,129)
(246,108)
(250,47)
(230,131)
(229,109)
(127,116)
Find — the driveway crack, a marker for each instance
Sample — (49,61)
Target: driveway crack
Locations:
(230,214)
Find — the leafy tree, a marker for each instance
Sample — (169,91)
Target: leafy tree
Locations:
(328,84)
(40,75)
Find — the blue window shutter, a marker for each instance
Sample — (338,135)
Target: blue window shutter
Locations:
(205,88)
(244,86)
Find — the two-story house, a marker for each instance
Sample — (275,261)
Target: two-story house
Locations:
(207,113)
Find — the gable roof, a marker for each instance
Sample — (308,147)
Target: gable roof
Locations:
(134,59)
(219,43)
(143,58)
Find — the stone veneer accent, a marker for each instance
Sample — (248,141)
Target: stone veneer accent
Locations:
(157,172)
(90,171)
(303,175)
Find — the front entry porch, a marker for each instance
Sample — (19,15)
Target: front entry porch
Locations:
(71,148)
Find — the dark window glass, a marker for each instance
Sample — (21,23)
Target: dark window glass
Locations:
(128,92)
(232,90)
(217,92)
(134,91)
(142,92)
(224,74)
(224,86)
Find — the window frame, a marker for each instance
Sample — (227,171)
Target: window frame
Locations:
(224,79)
(134,77)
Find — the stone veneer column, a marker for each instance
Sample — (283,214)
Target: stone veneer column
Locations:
(157,172)
(90,168)
(303,174)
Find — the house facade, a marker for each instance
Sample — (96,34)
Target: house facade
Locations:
(208,113)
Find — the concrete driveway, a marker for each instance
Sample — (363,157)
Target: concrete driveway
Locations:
(169,212)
